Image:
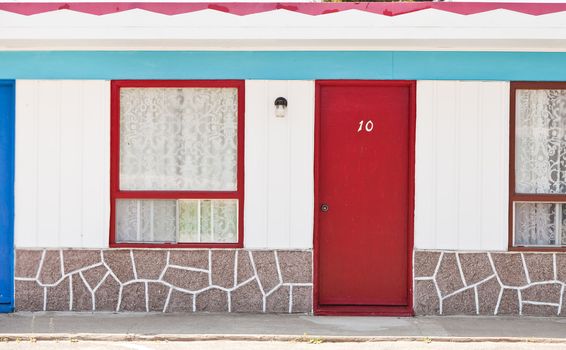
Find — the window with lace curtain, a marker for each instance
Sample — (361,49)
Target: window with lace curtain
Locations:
(538,175)
(177,163)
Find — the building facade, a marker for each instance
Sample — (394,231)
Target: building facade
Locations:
(382,159)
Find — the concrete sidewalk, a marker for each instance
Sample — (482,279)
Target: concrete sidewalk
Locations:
(156,326)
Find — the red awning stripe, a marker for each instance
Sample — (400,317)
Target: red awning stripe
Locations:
(388,9)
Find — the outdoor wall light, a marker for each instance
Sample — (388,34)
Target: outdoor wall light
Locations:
(280,107)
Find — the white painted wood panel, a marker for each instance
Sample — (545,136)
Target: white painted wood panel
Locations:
(279,185)
(461,184)
(62,164)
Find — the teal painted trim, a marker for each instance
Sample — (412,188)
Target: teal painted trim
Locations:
(517,66)
(413,65)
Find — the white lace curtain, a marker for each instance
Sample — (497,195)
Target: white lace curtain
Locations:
(540,165)
(178,139)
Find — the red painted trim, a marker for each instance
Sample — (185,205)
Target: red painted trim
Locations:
(115,191)
(358,310)
(387,9)
(521,197)
(370,310)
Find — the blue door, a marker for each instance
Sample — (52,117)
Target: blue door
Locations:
(6,196)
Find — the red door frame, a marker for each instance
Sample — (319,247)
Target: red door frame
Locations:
(370,309)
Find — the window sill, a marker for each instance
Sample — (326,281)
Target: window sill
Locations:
(176,245)
(537,249)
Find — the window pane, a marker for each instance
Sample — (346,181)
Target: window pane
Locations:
(178,139)
(540,144)
(199,220)
(536,224)
(208,220)
(146,220)
(225,222)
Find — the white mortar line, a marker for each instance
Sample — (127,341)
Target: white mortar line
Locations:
(101,281)
(160,278)
(113,274)
(167,300)
(535,284)
(164,267)
(194,302)
(460,269)
(424,278)
(561,299)
(89,289)
(146,297)
(243,283)
(188,269)
(71,293)
(278,268)
(119,297)
(477,300)
(85,282)
(55,284)
(494,269)
(539,303)
(133,264)
(519,294)
(438,265)
(459,291)
(229,301)
(290,299)
(496,311)
(468,287)
(40,265)
(82,269)
(28,279)
(297,284)
(44,298)
(256,275)
(439,296)
(554,266)
(525,268)
(273,290)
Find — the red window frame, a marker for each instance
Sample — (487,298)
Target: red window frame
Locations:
(522,197)
(116,193)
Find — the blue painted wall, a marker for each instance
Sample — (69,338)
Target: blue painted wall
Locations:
(528,66)
(6,196)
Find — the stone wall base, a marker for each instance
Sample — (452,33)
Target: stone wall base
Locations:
(156,280)
(508,283)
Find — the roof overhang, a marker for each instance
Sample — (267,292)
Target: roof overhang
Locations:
(283,26)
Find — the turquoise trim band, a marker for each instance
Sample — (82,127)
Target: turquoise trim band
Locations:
(413,65)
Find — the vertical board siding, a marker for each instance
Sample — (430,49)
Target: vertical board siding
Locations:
(279,165)
(62,164)
(461,184)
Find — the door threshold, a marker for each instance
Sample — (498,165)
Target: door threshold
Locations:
(363,310)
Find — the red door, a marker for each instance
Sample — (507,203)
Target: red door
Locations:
(364,197)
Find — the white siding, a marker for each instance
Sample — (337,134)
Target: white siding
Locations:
(62,164)
(279,165)
(462,175)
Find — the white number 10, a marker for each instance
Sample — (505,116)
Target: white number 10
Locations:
(368,126)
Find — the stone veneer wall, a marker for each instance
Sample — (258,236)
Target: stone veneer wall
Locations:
(509,283)
(163,280)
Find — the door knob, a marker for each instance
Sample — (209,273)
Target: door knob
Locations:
(324,207)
